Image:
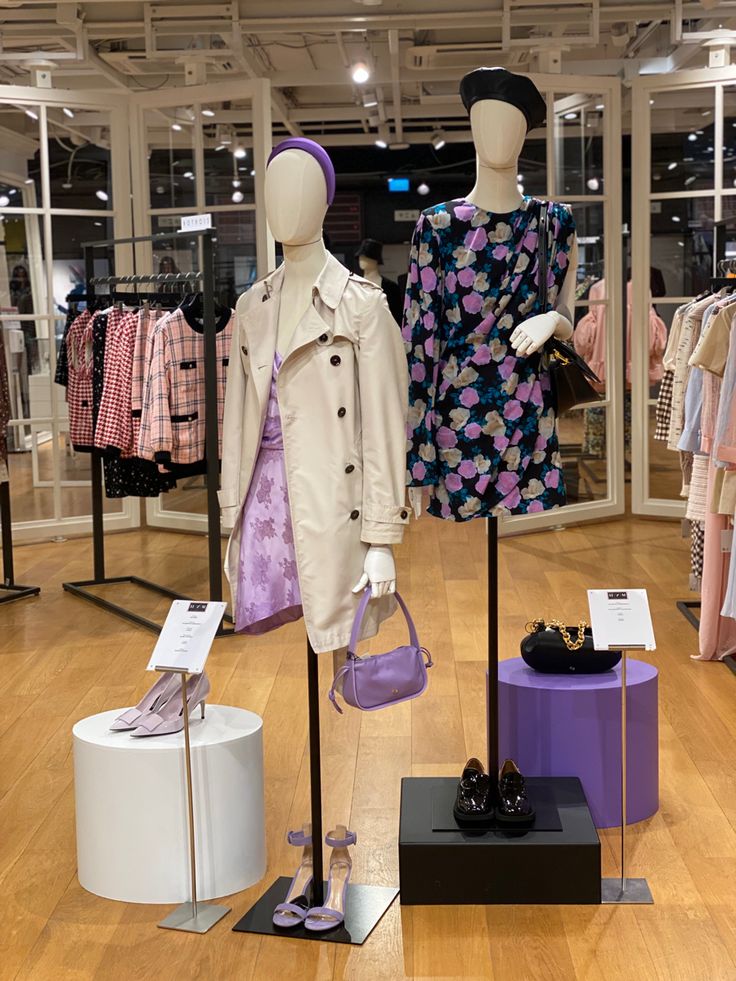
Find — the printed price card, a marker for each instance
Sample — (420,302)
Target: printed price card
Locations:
(621,618)
(185,641)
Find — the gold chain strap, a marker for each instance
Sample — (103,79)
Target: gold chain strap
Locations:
(570,644)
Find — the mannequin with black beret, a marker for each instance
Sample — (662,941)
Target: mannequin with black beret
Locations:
(503,108)
(369,257)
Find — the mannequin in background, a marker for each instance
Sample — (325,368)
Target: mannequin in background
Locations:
(482,421)
(370,257)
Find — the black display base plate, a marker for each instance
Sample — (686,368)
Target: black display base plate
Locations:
(542,799)
(467,867)
(364,907)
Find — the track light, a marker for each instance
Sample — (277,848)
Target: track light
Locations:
(360,72)
(382,136)
(369,100)
(438,139)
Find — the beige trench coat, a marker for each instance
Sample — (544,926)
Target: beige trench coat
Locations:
(342,390)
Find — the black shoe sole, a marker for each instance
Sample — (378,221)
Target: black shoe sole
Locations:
(515,820)
(472,820)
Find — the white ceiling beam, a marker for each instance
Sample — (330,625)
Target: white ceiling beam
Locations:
(393,50)
(279,105)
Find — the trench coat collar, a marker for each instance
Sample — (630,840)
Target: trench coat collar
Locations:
(331,282)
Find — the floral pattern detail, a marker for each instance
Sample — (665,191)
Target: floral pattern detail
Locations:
(268,593)
(482,430)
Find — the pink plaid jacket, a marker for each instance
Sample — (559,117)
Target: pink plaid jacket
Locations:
(114,428)
(141,360)
(173,417)
(79,388)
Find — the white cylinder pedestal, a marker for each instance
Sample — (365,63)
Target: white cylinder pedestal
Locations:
(131,808)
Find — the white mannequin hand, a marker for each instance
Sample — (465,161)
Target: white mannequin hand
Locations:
(379,570)
(416,499)
(531,335)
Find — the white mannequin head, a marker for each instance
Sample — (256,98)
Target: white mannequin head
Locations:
(499,130)
(367,265)
(296,198)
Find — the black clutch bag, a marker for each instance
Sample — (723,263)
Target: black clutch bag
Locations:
(553,648)
(570,375)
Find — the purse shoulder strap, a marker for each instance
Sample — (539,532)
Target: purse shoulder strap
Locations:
(542,246)
(360,613)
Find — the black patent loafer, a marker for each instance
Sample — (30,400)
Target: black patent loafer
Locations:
(474,800)
(514,807)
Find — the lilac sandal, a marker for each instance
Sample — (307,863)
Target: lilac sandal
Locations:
(332,914)
(295,907)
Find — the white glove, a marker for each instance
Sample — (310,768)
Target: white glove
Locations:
(533,334)
(379,571)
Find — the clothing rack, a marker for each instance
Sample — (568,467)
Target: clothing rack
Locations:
(9,589)
(206,277)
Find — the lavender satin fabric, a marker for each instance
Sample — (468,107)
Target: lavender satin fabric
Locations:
(314,150)
(268,582)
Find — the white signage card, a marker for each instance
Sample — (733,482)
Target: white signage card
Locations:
(186,638)
(620,618)
(195,223)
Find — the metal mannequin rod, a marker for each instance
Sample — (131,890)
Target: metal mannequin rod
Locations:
(492,545)
(315,774)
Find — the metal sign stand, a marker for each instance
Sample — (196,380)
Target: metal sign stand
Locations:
(623,890)
(193,917)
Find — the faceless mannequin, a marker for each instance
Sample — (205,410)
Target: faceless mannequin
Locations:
(369,269)
(499,130)
(296,203)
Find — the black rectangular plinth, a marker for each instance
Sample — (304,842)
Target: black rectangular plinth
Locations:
(364,907)
(495,867)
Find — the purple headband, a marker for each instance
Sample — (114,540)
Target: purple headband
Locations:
(314,150)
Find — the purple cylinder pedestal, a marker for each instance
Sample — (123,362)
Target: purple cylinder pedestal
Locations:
(570,726)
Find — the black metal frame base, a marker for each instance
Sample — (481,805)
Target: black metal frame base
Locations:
(81,589)
(364,908)
(685,607)
(14,591)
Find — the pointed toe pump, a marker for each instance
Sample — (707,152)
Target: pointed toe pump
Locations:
(332,914)
(292,912)
(157,695)
(169,716)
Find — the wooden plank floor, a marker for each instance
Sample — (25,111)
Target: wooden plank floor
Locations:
(61,659)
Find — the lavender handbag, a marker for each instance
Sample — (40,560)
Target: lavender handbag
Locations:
(371,683)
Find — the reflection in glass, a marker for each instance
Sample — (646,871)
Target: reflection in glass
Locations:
(579,144)
(227,178)
(582,435)
(80,173)
(683,133)
(682,243)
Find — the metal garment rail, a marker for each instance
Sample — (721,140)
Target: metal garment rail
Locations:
(82,588)
(9,589)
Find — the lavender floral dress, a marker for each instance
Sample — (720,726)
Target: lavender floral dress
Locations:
(268,583)
(482,429)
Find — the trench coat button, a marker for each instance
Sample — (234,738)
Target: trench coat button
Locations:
(243,348)
(349,468)
(404,514)
(322,338)
(341,411)
(355,514)
(335,359)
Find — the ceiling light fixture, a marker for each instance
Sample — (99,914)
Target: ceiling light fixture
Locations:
(672,166)
(593,183)
(360,72)
(102,195)
(252,173)
(29,180)
(188,173)
(239,153)
(237,197)
(176,127)
(423,188)
(369,100)
(692,137)
(600,106)
(236,183)
(570,115)
(68,112)
(382,136)
(438,139)
(4,200)
(689,180)
(208,112)
(31,114)
(220,147)
(675,217)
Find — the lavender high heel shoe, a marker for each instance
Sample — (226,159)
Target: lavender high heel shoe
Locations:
(169,716)
(332,914)
(160,692)
(295,907)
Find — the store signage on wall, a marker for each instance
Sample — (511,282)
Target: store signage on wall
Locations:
(408,214)
(620,618)
(195,223)
(186,638)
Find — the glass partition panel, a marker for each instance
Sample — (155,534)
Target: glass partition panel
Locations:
(682,140)
(579,144)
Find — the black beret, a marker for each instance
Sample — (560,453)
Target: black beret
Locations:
(505,86)
(371,249)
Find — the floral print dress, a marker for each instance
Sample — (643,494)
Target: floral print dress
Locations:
(482,429)
(268,593)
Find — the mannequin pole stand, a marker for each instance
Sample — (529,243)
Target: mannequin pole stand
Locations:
(364,905)
(492,546)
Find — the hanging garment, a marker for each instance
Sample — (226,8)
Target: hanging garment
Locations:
(590,337)
(173,417)
(130,477)
(114,430)
(342,400)
(79,343)
(61,375)
(482,428)
(594,429)
(697,496)
(394,298)
(147,319)
(717,634)
(268,582)
(692,322)
(697,533)
(4,410)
